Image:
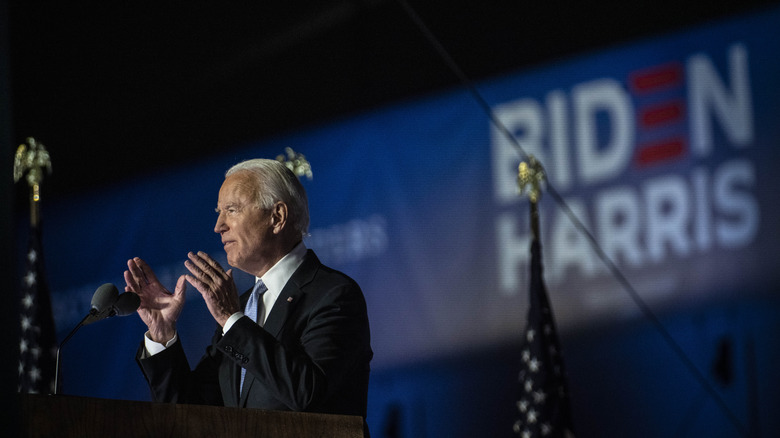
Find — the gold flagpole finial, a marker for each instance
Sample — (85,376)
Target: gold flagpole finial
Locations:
(31,159)
(530,177)
(297,163)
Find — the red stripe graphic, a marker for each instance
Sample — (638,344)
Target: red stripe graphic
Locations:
(657,77)
(668,112)
(659,152)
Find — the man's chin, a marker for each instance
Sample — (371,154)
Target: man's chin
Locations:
(236,264)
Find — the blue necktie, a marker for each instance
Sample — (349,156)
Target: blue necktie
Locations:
(252,305)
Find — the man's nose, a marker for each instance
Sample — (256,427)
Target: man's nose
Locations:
(220,226)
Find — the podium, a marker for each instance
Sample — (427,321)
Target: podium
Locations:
(83,417)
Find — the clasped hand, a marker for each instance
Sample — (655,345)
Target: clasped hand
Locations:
(160,308)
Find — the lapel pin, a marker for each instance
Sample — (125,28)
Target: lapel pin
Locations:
(289,299)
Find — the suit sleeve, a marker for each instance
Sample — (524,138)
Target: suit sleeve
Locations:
(312,364)
(171,380)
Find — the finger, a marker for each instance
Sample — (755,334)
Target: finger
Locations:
(195,282)
(208,265)
(130,281)
(146,273)
(135,276)
(137,272)
(181,287)
(200,268)
(198,275)
(213,264)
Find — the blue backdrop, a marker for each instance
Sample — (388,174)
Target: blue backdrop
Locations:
(665,148)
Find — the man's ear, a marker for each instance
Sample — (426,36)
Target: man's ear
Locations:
(278,217)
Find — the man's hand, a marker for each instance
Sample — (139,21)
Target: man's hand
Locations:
(159,308)
(214,284)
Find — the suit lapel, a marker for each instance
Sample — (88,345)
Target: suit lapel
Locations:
(291,294)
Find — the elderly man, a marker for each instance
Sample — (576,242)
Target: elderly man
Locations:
(299,340)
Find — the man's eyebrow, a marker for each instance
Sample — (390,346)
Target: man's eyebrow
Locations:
(230,205)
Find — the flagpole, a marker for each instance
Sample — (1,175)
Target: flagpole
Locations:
(38,336)
(543,407)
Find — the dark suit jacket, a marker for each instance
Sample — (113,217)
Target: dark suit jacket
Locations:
(312,354)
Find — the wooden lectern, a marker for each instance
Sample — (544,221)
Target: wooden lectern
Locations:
(83,417)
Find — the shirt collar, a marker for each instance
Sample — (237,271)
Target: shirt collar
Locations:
(280,273)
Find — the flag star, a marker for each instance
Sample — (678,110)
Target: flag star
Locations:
(526,434)
(546,429)
(529,385)
(539,396)
(27,301)
(21,367)
(530,335)
(23,346)
(26,323)
(35,374)
(36,351)
(534,364)
(526,355)
(29,279)
(532,416)
(522,405)
(32,256)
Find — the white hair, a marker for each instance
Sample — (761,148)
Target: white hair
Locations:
(275,182)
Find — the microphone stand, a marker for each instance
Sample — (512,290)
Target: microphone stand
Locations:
(59,348)
(122,305)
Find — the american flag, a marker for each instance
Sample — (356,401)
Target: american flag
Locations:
(543,400)
(37,344)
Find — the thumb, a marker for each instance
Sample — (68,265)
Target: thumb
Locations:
(181,288)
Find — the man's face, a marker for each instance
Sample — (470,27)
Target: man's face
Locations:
(244,227)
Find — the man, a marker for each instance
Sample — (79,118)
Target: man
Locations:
(309,347)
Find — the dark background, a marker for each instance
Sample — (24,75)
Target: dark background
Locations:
(118,90)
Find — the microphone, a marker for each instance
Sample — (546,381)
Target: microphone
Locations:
(105,296)
(106,302)
(126,304)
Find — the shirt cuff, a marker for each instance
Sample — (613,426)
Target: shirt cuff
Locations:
(153,347)
(232,320)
